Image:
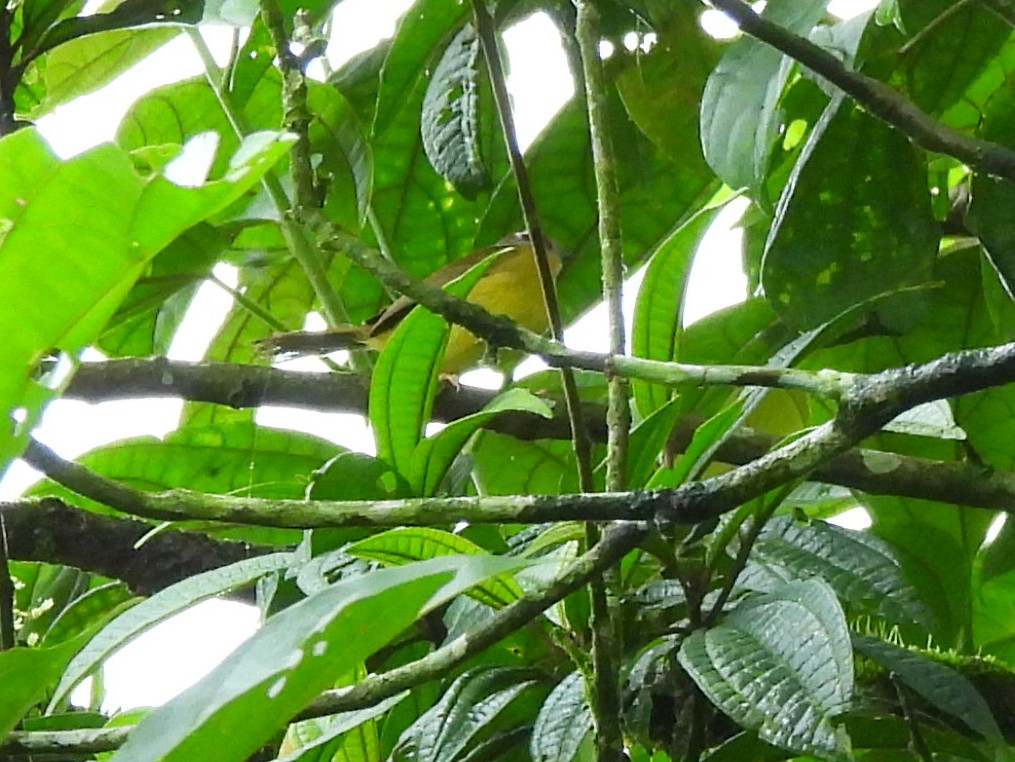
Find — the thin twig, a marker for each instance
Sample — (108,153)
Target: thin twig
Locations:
(875,96)
(491,51)
(917,743)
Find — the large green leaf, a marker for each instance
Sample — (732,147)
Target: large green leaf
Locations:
(954,47)
(451,118)
(662,87)
(84,64)
(563,722)
(865,238)
(95,203)
(405,544)
(164,604)
(860,568)
(936,545)
(434,455)
(294,656)
(469,707)
(657,325)
(739,108)
(780,664)
(940,685)
(406,377)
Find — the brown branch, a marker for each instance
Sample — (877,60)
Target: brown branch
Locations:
(50,530)
(241,386)
(871,402)
(875,96)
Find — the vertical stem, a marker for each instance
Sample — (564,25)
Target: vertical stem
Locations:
(295,236)
(606,647)
(579,432)
(6,592)
(295,113)
(7,125)
(7,79)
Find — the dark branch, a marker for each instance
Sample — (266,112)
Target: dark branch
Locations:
(52,531)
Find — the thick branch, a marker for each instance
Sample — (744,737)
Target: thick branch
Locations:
(52,531)
(240,386)
(871,402)
(875,96)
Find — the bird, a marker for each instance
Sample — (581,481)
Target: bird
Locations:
(510,287)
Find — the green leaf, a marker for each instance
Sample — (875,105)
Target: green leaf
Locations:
(780,664)
(97,203)
(236,458)
(400,546)
(955,45)
(435,454)
(147,320)
(662,87)
(83,64)
(328,744)
(993,195)
(420,32)
(294,656)
(86,611)
(563,722)
(883,238)
(538,467)
(647,443)
(739,108)
(861,569)
(26,675)
(451,115)
(655,331)
(936,683)
(406,377)
(159,607)
(468,707)
(125,16)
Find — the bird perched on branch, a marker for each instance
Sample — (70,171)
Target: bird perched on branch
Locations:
(509,286)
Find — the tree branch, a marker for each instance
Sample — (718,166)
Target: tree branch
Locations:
(50,530)
(875,96)
(872,401)
(239,386)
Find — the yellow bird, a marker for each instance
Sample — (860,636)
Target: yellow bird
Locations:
(509,287)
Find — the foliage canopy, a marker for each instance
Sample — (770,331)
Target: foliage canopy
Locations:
(627,557)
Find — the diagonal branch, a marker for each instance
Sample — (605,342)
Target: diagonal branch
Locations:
(875,96)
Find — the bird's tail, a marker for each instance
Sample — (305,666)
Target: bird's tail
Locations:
(301,343)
